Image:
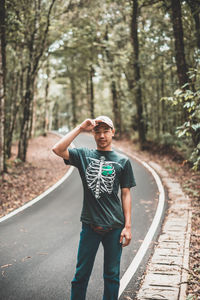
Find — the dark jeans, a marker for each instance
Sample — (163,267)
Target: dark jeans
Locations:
(88,246)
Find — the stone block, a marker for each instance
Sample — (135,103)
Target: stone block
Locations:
(157,293)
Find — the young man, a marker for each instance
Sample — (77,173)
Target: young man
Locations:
(105,218)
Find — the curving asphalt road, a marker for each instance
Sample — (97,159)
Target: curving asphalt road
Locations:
(38,246)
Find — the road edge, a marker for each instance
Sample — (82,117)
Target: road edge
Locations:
(133,267)
(167,271)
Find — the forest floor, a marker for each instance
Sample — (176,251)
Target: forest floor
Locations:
(24,182)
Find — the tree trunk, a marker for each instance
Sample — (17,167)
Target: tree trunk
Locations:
(179,43)
(46,104)
(91,92)
(113,87)
(35,55)
(136,67)
(74,102)
(33,124)
(195,10)
(11,109)
(31,118)
(163,110)
(157,107)
(55,116)
(25,125)
(2,84)
(116,109)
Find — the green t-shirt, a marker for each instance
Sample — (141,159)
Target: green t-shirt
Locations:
(102,173)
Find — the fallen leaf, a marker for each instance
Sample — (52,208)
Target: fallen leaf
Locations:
(5,266)
(25,258)
(42,253)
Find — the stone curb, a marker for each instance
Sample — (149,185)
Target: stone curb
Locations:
(166,275)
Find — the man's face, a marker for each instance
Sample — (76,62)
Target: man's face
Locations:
(103,136)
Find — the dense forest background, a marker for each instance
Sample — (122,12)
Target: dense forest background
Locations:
(137,61)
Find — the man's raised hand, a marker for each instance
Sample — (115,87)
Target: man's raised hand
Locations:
(88,125)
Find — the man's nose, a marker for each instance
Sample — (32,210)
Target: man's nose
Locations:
(101,134)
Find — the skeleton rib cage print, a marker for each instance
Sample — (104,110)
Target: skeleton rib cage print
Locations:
(100,176)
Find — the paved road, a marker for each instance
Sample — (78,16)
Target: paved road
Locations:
(39,244)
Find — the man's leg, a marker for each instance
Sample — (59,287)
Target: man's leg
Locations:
(88,246)
(112,257)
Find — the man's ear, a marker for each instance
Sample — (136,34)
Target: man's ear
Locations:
(113,131)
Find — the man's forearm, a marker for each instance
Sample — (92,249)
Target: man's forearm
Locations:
(62,145)
(126,206)
(127,213)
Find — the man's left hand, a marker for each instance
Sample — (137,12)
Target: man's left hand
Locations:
(125,237)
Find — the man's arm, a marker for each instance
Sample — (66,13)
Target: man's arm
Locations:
(126,206)
(61,147)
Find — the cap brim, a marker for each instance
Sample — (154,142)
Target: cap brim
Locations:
(100,122)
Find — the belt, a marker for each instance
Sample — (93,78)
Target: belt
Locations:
(100,229)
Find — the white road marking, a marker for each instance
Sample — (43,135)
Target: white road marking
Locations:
(30,203)
(150,234)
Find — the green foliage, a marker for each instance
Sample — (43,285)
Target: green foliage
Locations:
(191,297)
(167,139)
(190,101)
(90,42)
(195,157)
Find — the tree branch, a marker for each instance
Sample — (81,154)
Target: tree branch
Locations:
(42,48)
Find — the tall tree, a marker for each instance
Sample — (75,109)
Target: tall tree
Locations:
(36,45)
(91,75)
(136,67)
(176,16)
(46,101)
(113,86)
(195,10)
(73,99)
(2,82)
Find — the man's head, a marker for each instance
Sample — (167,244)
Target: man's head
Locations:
(103,132)
(106,120)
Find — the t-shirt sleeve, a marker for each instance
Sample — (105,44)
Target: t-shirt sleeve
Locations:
(127,177)
(74,157)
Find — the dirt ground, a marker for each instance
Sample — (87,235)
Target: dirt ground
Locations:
(24,182)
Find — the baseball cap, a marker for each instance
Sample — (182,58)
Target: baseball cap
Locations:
(106,120)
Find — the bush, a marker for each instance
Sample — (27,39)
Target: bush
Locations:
(189,131)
